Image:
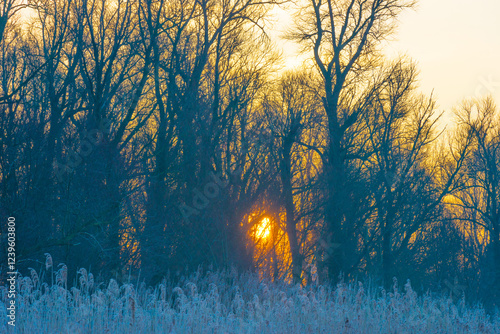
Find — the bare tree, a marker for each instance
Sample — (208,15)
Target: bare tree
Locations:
(206,75)
(477,201)
(9,8)
(407,175)
(295,119)
(343,36)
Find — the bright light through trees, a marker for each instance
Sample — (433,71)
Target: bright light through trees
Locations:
(263,230)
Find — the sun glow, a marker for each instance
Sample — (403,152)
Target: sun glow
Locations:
(263,229)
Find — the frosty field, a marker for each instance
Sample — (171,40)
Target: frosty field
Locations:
(227,302)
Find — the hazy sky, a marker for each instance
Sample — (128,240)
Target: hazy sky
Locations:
(456,44)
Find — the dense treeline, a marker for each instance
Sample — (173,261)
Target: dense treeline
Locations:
(159,135)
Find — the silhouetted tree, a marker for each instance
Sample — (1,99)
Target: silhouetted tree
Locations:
(295,118)
(477,201)
(408,177)
(343,36)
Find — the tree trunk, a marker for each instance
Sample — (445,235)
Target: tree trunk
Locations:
(387,256)
(334,216)
(291,227)
(495,239)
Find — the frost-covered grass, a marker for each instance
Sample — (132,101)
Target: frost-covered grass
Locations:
(225,302)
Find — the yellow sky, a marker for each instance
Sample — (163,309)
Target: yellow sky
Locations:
(456,44)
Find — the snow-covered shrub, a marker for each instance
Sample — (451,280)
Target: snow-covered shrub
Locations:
(227,302)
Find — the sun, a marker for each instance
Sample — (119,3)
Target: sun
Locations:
(263,229)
